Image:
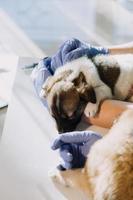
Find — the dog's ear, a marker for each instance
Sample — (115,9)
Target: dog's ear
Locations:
(52,80)
(55,112)
(85,91)
(47,86)
(53,106)
(54,97)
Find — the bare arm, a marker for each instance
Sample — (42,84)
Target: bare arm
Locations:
(121,49)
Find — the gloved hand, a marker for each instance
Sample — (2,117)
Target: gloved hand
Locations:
(73,49)
(74,148)
(39,76)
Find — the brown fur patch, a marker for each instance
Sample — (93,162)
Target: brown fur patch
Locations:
(80,81)
(109,74)
(123,174)
(63,121)
(68,102)
(86,92)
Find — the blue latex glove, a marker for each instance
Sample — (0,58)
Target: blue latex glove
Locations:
(74,148)
(70,50)
(39,75)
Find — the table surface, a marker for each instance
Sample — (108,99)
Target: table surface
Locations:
(25,151)
(8,65)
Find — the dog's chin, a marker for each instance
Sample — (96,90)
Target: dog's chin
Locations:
(68,124)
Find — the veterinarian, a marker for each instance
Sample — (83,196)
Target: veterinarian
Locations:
(73,146)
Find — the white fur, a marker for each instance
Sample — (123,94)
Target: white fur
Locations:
(125,80)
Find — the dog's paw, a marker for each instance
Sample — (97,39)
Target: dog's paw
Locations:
(54,174)
(57,177)
(91,109)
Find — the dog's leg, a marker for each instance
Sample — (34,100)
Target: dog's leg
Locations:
(102,91)
(72,182)
(57,177)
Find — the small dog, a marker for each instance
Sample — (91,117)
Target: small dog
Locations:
(63,100)
(104,77)
(108,174)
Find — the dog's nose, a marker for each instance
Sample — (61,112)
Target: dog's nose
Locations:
(70,114)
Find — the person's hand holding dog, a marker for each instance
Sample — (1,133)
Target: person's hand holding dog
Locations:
(74,147)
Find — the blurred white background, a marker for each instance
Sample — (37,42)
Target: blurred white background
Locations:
(49,22)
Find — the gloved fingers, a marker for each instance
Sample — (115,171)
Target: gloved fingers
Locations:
(57,143)
(72,137)
(60,140)
(61,168)
(98,50)
(39,76)
(75,54)
(76,136)
(40,72)
(70,45)
(87,145)
(66,165)
(66,155)
(89,51)
(59,58)
(93,138)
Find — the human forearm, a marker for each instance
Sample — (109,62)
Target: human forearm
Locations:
(121,49)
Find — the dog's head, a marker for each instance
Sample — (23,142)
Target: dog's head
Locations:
(67,104)
(63,101)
